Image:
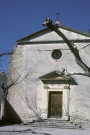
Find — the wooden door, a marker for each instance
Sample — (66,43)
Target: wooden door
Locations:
(55,105)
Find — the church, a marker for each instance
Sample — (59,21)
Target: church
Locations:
(41,87)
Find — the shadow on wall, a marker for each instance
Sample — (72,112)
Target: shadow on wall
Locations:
(10,115)
(73,82)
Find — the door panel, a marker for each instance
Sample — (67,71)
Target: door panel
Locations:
(55,105)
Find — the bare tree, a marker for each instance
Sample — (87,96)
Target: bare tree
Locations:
(7,53)
(72,47)
(15,81)
(32,105)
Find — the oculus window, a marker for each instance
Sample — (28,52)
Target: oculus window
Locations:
(56,54)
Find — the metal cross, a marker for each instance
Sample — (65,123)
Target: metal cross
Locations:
(57,14)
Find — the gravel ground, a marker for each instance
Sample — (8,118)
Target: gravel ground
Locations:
(27,130)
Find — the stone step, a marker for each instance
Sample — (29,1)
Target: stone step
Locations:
(54,121)
(64,124)
(50,125)
(51,120)
(53,124)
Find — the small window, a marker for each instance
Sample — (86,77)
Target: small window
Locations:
(56,54)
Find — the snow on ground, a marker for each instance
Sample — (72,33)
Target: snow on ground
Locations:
(27,130)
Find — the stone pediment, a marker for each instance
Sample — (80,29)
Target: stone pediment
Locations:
(47,35)
(55,76)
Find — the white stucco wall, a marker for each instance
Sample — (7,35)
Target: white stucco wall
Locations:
(32,61)
(52,36)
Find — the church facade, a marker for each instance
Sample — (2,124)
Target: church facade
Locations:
(41,88)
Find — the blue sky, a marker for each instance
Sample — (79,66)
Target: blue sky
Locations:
(19,18)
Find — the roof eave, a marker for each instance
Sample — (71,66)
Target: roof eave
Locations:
(27,37)
(46,29)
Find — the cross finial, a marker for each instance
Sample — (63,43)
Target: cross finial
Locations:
(57,14)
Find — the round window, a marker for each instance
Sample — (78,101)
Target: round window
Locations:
(56,54)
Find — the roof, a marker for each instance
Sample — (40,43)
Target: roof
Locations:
(47,29)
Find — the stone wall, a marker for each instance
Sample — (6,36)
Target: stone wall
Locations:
(32,61)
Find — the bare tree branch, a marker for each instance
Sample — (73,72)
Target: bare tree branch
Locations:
(84,47)
(35,111)
(7,53)
(83,74)
(64,72)
(73,48)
